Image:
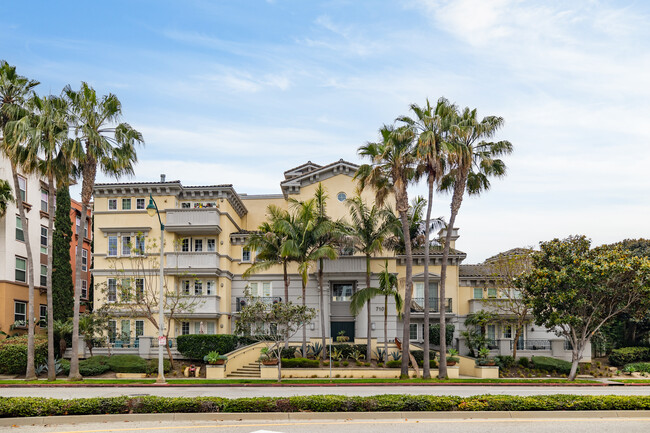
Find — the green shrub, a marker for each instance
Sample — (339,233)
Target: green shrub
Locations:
(628,355)
(394,364)
(127,364)
(65,366)
(289,352)
(641,367)
(552,365)
(347,348)
(434,334)
(152,366)
(300,363)
(504,361)
(13,354)
(419,355)
(94,366)
(432,363)
(524,362)
(196,346)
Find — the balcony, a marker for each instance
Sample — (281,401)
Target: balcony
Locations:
(192,261)
(203,306)
(193,221)
(491,305)
(269,300)
(417,305)
(532,345)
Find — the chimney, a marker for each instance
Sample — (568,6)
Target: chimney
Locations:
(162,177)
(442,235)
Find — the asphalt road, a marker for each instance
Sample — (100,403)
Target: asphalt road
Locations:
(549,423)
(250,391)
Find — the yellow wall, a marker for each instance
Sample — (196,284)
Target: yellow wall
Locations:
(10,292)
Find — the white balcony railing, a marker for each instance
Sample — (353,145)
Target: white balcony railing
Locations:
(192,221)
(192,260)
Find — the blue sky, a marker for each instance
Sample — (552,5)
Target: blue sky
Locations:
(239,91)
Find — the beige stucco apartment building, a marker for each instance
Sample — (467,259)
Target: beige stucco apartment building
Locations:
(206,228)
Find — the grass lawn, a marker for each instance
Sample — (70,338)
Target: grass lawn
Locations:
(287,381)
(645,381)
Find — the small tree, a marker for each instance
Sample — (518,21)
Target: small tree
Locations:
(62,286)
(274,324)
(138,291)
(504,269)
(92,326)
(575,290)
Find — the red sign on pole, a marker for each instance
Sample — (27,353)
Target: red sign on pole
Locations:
(162,340)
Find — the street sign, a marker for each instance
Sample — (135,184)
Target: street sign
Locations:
(162,340)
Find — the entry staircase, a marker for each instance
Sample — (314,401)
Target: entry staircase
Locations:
(251,370)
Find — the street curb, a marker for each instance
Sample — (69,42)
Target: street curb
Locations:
(298,385)
(304,416)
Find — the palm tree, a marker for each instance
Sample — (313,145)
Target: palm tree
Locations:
(45,131)
(387,288)
(100,143)
(14,91)
(417,227)
(430,125)
(392,168)
(6,196)
(471,162)
(368,231)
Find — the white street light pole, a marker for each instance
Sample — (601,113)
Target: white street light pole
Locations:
(151,209)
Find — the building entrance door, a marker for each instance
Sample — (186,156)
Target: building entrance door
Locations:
(347,327)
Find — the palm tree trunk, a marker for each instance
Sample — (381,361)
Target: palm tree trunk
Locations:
(30,373)
(322,307)
(368,351)
(304,326)
(51,372)
(456,201)
(286,291)
(385,330)
(403,216)
(426,368)
(88,183)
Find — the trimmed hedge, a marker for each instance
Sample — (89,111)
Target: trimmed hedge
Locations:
(152,366)
(627,355)
(38,406)
(127,364)
(13,354)
(93,366)
(434,334)
(196,346)
(300,363)
(419,355)
(641,367)
(551,364)
(289,352)
(396,363)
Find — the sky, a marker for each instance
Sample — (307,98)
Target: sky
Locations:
(240,91)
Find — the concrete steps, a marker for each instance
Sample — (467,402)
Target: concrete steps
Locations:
(247,371)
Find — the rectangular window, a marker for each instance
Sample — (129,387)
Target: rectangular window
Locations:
(112,330)
(125,291)
(20,234)
(139,289)
(185,287)
(198,245)
(197,327)
(20,313)
(211,245)
(44,199)
(139,203)
(413,331)
(185,245)
(492,293)
(84,260)
(78,224)
(266,289)
(126,245)
(516,294)
(21,269)
(198,287)
(112,204)
(209,285)
(42,316)
(84,289)
(125,327)
(139,245)
(245,255)
(22,186)
(139,328)
(507,331)
(185,205)
(342,292)
(185,328)
(211,328)
(43,275)
(86,229)
(492,332)
(44,239)
(478,293)
(126,204)
(112,290)
(112,246)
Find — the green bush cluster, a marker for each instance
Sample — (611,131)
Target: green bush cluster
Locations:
(504,361)
(127,364)
(627,355)
(419,355)
(300,363)
(196,346)
(347,349)
(94,366)
(551,364)
(37,406)
(13,354)
(432,363)
(434,334)
(524,362)
(394,364)
(289,352)
(641,367)
(152,366)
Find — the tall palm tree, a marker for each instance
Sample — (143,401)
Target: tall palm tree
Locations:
(392,169)
(431,125)
(45,131)
(6,196)
(101,143)
(387,288)
(471,160)
(14,92)
(368,231)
